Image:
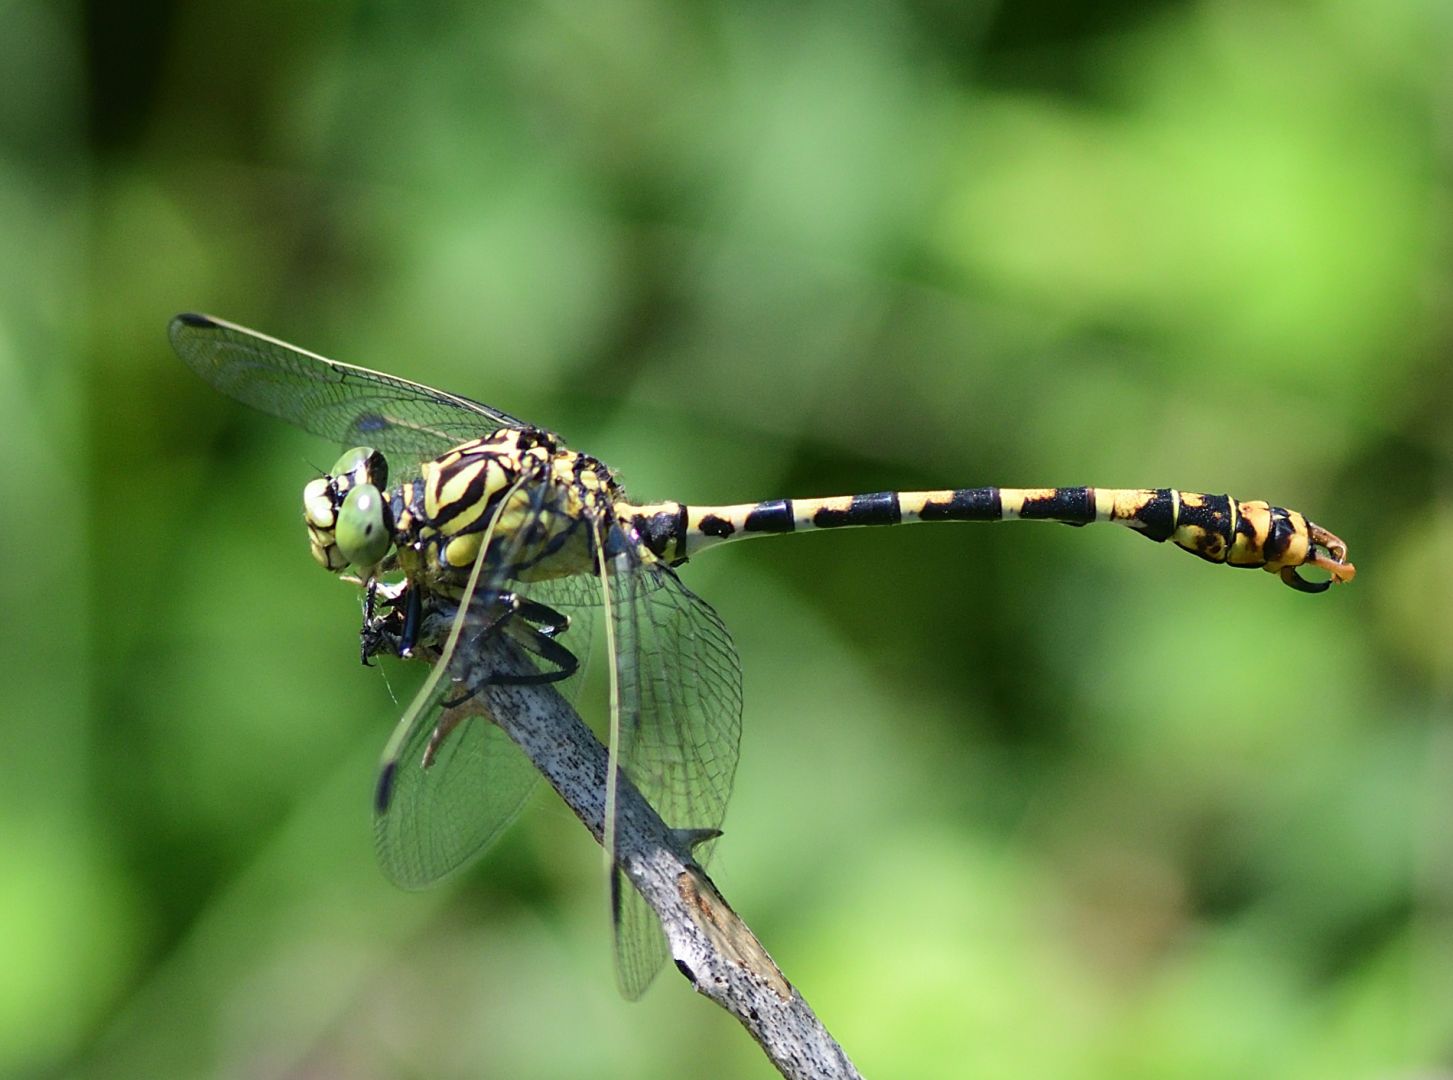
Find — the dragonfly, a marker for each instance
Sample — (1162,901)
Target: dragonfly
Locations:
(461,522)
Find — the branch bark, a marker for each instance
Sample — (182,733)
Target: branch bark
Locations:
(713,948)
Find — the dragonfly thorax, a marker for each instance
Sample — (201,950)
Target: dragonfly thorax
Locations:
(535,502)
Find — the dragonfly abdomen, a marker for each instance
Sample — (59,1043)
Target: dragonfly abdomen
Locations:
(1216,528)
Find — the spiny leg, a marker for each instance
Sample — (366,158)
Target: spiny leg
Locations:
(391,623)
(534,626)
(518,622)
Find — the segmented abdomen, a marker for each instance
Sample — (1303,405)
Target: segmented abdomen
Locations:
(1218,528)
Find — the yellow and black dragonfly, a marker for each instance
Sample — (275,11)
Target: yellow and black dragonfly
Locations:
(492,526)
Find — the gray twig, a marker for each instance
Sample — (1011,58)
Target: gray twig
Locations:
(712,946)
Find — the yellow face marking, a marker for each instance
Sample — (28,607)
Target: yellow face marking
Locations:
(325,550)
(317,506)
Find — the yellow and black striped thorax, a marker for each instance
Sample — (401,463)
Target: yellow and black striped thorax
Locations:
(535,499)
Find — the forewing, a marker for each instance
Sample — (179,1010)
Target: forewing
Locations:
(678,730)
(350,405)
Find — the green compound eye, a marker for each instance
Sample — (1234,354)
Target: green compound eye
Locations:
(361,465)
(362,532)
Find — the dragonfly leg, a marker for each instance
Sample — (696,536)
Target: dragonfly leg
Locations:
(453,716)
(413,612)
(534,626)
(550,622)
(368,642)
(536,629)
(540,640)
(392,616)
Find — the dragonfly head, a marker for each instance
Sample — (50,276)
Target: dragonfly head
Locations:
(348,515)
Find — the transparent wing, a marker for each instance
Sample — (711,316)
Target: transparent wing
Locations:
(679,731)
(577,596)
(451,781)
(350,405)
(439,818)
(641,948)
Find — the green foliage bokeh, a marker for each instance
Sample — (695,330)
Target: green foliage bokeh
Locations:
(1013,801)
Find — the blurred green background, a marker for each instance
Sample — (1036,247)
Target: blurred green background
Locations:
(1013,801)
